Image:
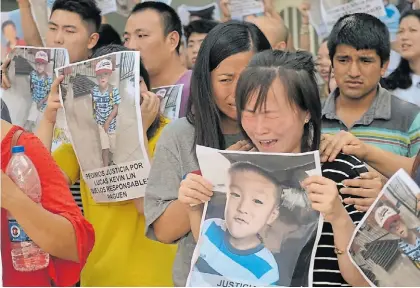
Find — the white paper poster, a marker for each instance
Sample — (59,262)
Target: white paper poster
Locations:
(386,243)
(170,100)
(31,73)
(167,2)
(241,8)
(104,120)
(107,6)
(258,221)
(325,13)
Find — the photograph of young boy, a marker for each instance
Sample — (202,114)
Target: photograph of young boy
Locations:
(232,249)
(105,100)
(409,244)
(40,85)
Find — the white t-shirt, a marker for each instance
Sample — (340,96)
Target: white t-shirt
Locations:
(411,94)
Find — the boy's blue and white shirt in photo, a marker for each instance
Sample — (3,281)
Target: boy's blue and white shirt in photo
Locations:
(412,251)
(220,264)
(41,86)
(103,104)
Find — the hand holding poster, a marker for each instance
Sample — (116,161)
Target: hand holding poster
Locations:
(30,73)
(325,13)
(101,100)
(386,244)
(170,100)
(258,221)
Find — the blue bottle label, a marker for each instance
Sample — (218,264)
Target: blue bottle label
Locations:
(16,232)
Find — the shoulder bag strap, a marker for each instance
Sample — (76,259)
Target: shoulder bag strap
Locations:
(15,138)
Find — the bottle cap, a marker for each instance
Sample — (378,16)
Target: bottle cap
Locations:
(18,149)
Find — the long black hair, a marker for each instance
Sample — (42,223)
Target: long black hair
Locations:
(112,48)
(223,41)
(401,77)
(296,71)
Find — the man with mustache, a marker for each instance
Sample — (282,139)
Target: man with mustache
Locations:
(359,49)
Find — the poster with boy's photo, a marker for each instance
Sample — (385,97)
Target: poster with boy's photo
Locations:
(11,32)
(386,244)
(191,13)
(101,101)
(258,221)
(31,73)
(170,100)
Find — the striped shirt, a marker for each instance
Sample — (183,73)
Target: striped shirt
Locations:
(326,270)
(75,191)
(103,104)
(220,264)
(390,123)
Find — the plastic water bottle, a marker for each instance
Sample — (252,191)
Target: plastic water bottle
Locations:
(26,255)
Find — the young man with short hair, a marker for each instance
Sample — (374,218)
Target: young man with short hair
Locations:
(195,33)
(155,30)
(359,49)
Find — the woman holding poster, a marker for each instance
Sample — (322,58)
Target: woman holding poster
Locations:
(224,53)
(122,256)
(299,111)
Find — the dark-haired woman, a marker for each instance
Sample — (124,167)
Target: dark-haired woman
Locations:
(405,80)
(123,255)
(279,111)
(211,121)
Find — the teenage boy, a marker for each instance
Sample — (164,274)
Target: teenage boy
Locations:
(195,33)
(359,49)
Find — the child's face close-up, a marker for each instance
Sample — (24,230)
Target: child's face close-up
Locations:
(103,79)
(40,67)
(251,204)
(399,229)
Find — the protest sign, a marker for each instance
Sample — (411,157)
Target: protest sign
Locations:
(258,221)
(191,13)
(31,75)
(386,244)
(107,6)
(241,8)
(325,13)
(170,102)
(101,101)
(11,32)
(167,2)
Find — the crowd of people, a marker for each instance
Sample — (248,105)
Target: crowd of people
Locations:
(245,88)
